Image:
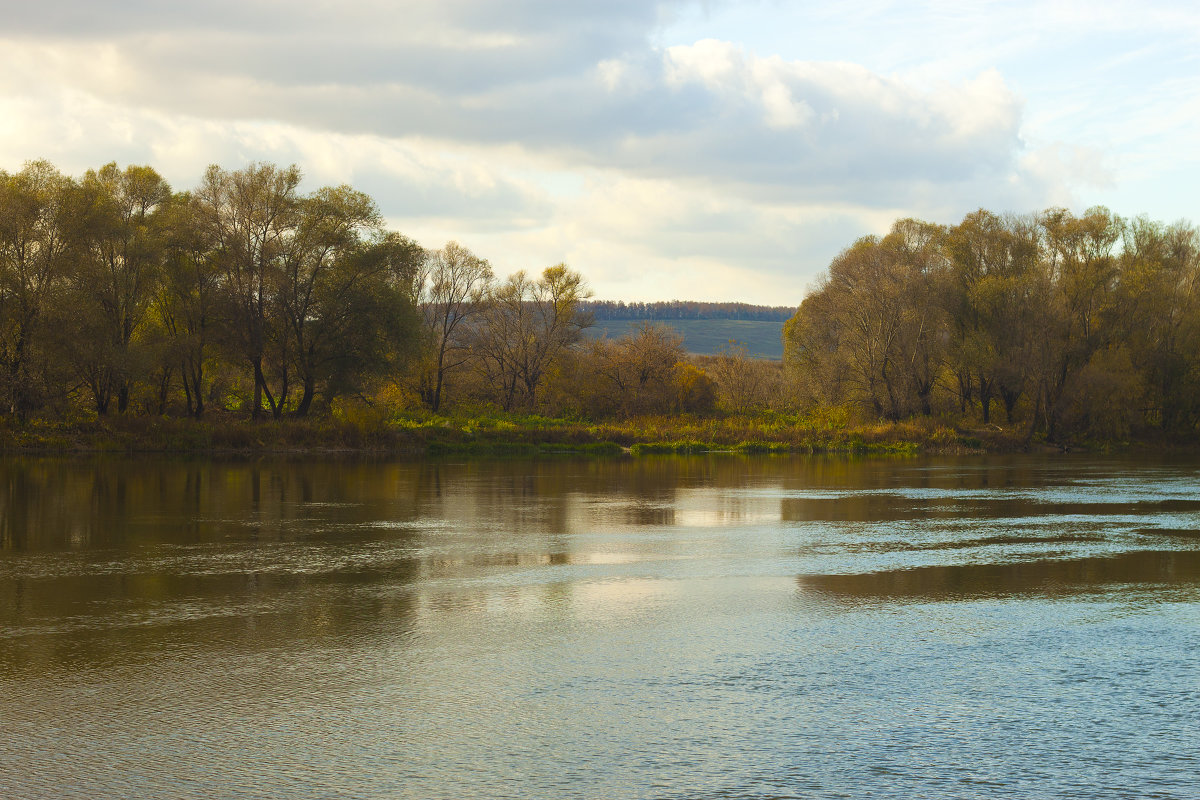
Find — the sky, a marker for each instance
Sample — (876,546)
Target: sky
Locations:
(666,150)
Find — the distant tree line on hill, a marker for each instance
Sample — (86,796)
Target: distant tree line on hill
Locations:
(602,310)
(1069,325)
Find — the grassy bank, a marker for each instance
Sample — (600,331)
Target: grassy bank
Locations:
(373,431)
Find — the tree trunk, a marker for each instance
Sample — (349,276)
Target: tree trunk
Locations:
(985,398)
(187,390)
(964,391)
(260,390)
(256,409)
(306,397)
(278,403)
(1010,397)
(923,394)
(193,384)
(436,402)
(164,389)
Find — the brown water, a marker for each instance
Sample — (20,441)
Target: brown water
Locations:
(658,627)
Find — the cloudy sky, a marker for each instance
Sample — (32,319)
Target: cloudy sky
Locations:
(691,150)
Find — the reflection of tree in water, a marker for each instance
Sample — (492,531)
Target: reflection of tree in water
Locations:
(861,507)
(1055,578)
(56,504)
(566,496)
(105,559)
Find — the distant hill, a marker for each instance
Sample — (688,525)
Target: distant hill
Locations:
(670,310)
(761,338)
(705,327)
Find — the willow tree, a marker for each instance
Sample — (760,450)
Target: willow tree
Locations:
(526,326)
(995,302)
(38,212)
(116,269)
(1080,265)
(1159,321)
(323,282)
(454,287)
(251,216)
(852,326)
(188,303)
(361,320)
(916,252)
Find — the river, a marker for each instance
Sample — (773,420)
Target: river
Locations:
(661,627)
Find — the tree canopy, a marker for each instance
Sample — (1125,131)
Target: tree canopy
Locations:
(249,295)
(1071,325)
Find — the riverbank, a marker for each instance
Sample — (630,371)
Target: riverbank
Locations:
(498,434)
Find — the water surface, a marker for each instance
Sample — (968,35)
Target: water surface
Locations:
(638,628)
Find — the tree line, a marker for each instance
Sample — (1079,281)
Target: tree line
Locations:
(245,295)
(1069,325)
(120,295)
(113,285)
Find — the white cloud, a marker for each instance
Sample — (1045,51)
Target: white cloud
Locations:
(537,131)
(709,111)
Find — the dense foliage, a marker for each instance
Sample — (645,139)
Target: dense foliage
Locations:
(245,295)
(1069,325)
(243,292)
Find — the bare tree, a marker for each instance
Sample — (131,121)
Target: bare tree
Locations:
(455,286)
(744,384)
(635,373)
(526,326)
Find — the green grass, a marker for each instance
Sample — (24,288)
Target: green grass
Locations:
(684,448)
(824,430)
(761,338)
(522,449)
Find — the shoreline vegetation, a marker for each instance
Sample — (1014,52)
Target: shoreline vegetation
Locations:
(370,432)
(245,316)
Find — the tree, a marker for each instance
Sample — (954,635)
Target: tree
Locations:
(332,288)
(847,334)
(1081,268)
(525,327)
(1158,295)
(117,268)
(995,301)
(187,299)
(634,374)
(917,254)
(695,392)
(37,213)
(365,323)
(455,284)
(744,384)
(252,216)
